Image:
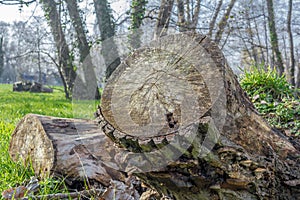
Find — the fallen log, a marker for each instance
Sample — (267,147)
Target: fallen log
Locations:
(72,148)
(37,87)
(31,87)
(173,114)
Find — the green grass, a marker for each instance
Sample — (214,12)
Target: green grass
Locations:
(13,106)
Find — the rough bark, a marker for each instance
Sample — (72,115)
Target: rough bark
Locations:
(107,30)
(65,67)
(86,86)
(72,148)
(79,28)
(274,38)
(137,14)
(231,154)
(164,16)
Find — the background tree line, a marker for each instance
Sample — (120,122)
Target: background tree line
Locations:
(250,33)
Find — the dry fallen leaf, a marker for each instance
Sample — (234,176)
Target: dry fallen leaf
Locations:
(14,193)
(118,190)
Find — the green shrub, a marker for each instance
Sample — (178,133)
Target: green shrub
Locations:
(273,97)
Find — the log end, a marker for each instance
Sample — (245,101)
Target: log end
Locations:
(31,145)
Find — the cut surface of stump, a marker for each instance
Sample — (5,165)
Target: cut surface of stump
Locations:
(162,92)
(192,131)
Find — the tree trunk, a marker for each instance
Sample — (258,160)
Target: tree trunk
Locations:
(1,56)
(192,132)
(85,87)
(79,28)
(268,57)
(291,40)
(195,16)
(179,120)
(189,21)
(73,148)
(261,46)
(274,38)
(214,19)
(65,67)
(251,38)
(164,16)
(298,77)
(181,16)
(138,9)
(223,22)
(107,30)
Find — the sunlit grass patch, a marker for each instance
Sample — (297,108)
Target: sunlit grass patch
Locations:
(84,109)
(14,106)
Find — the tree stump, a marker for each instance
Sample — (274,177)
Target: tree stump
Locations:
(191,131)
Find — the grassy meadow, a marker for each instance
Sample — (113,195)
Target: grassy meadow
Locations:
(13,106)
